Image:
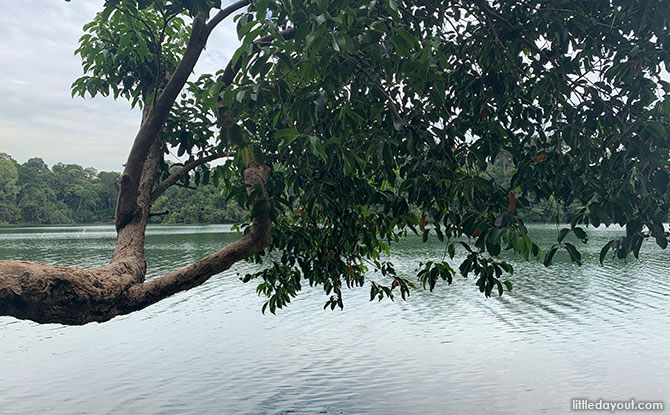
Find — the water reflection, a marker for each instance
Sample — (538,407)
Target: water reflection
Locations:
(564,332)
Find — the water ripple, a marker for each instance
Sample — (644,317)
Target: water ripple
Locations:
(563,332)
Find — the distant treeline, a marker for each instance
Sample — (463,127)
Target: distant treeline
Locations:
(33,193)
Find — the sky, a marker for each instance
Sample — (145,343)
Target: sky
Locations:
(38,116)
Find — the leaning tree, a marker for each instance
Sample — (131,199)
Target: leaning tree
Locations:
(345,125)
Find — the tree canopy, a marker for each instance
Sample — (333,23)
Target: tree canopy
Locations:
(346,125)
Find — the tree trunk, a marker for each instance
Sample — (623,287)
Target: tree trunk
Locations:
(70,295)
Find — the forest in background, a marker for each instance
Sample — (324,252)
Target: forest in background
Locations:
(33,193)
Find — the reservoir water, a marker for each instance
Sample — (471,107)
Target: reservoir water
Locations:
(564,332)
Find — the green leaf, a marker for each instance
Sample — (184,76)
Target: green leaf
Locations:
(258,209)
(410,40)
(661,181)
(258,155)
(581,235)
(661,240)
(508,285)
(549,256)
(658,130)
(236,135)
(245,156)
(317,147)
(575,256)
(289,133)
(388,156)
(507,267)
(452,250)
(493,242)
(400,45)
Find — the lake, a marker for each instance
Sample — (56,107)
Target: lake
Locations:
(564,332)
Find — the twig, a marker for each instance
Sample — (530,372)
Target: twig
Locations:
(174,177)
(161,213)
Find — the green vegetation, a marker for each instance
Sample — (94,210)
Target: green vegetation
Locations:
(32,193)
(204,204)
(502,171)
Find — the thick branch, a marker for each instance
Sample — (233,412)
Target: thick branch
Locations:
(66,295)
(225,12)
(69,295)
(130,239)
(127,207)
(197,273)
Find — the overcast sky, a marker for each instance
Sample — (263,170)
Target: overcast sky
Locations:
(38,117)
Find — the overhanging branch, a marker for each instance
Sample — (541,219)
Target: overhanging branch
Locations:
(143,295)
(75,296)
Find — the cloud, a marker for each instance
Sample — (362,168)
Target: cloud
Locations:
(38,117)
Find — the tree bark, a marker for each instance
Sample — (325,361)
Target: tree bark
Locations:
(75,296)
(156,114)
(127,209)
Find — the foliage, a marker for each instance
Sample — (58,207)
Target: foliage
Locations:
(9,177)
(365,109)
(205,204)
(124,51)
(548,210)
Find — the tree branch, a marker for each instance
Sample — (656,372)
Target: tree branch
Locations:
(161,213)
(127,207)
(174,177)
(71,295)
(143,295)
(130,239)
(225,12)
